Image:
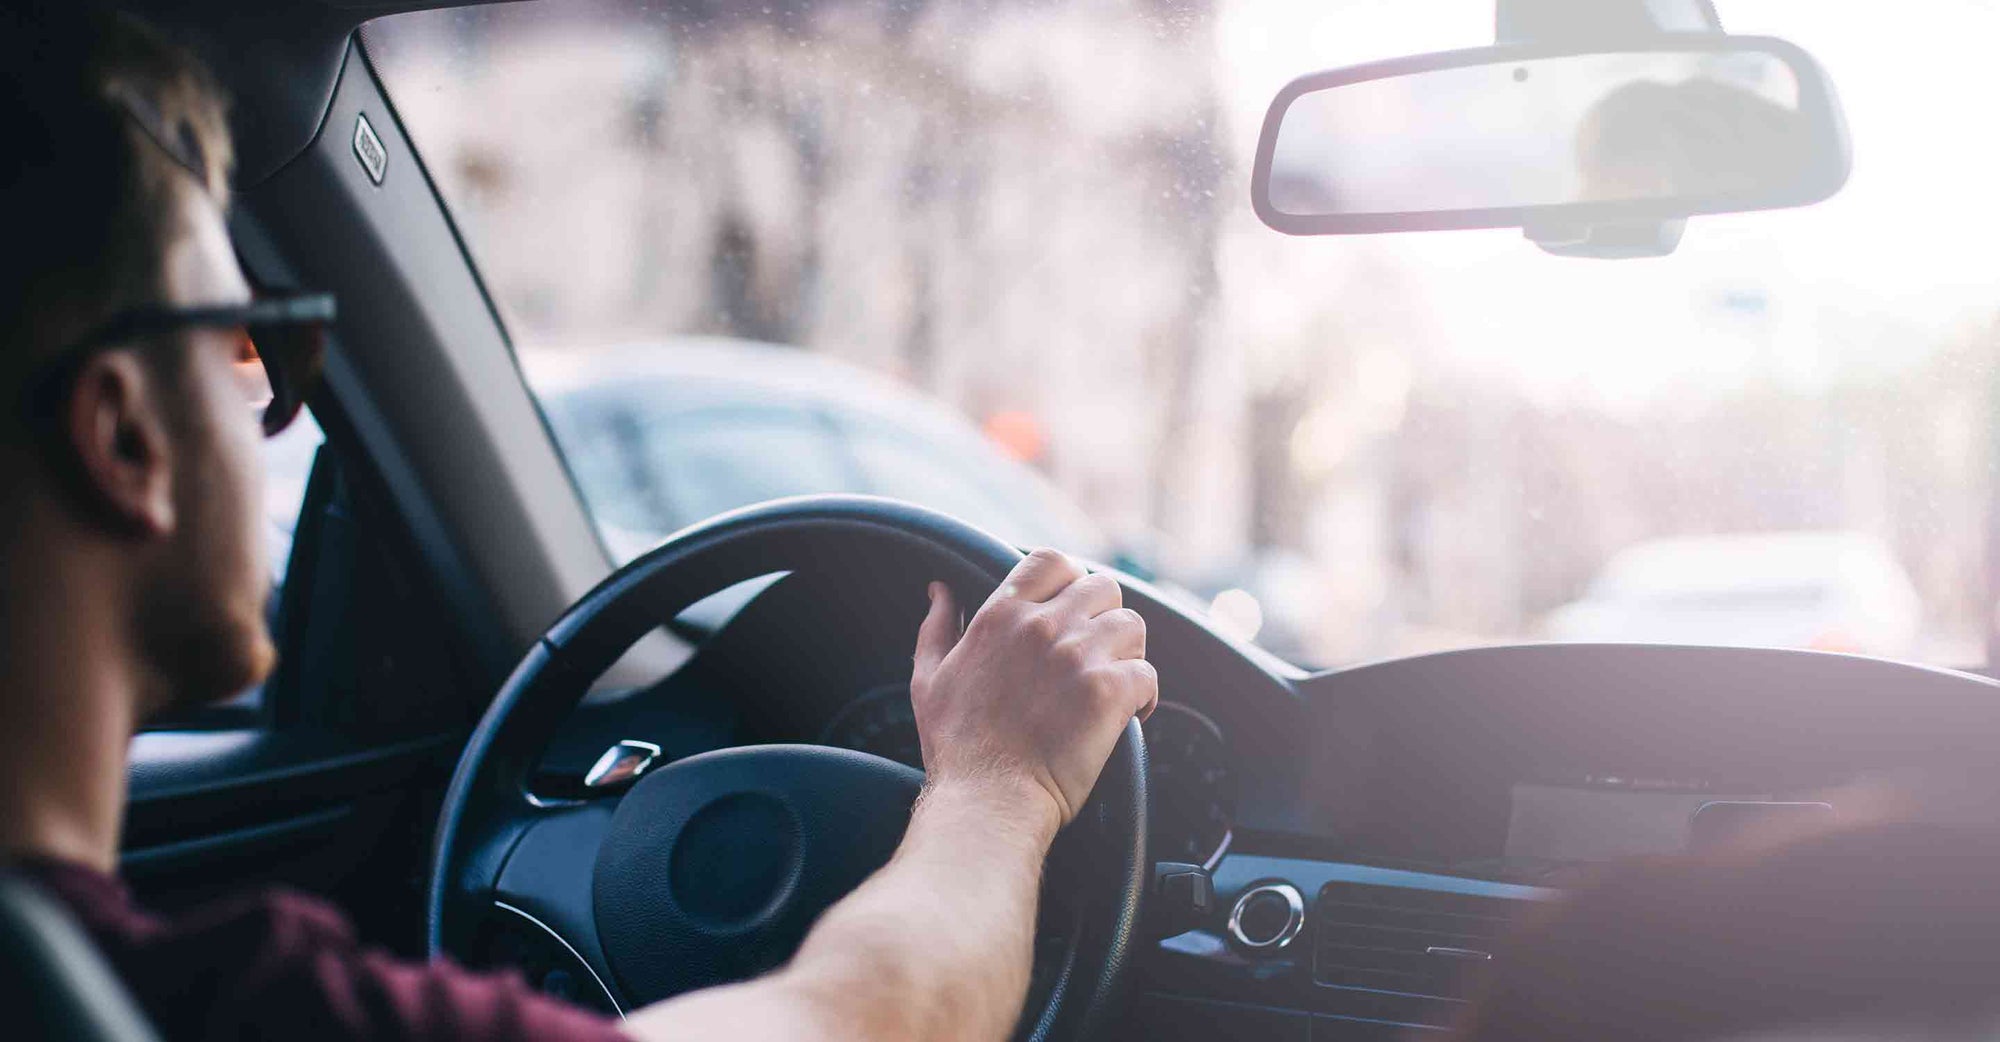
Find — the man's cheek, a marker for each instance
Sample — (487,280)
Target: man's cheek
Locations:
(238,432)
(238,443)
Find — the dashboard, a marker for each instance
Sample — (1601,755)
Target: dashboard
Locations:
(1371,834)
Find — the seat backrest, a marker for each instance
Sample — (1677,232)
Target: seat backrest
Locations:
(54,986)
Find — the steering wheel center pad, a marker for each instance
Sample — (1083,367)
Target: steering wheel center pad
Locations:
(716,866)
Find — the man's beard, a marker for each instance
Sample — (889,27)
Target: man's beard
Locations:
(206,645)
(203,611)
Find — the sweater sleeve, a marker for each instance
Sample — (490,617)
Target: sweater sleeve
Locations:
(310,979)
(282,964)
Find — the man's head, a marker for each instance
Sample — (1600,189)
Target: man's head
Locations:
(132,467)
(1698,137)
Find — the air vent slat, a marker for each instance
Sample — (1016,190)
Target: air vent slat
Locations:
(1418,900)
(1405,963)
(1413,918)
(1380,980)
(1394,939)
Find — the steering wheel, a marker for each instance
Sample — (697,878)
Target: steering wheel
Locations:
(713,867)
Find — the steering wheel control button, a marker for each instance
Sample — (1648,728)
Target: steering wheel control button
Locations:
(1267,917)
(622,764)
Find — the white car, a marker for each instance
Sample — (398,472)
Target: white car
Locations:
(661,435)
(1830,590)
(664,434)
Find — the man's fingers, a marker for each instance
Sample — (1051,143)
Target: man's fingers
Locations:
(1088,597)
(1040,576)
(1139,685)
(1121,632)
(939,632)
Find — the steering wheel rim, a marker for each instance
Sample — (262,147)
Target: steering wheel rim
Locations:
(488,806)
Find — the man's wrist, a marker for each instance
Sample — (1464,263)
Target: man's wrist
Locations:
(1016,805)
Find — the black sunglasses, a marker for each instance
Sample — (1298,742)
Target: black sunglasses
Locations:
(284,347)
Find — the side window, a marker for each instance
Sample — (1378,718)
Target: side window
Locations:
(363,646)
(288,461)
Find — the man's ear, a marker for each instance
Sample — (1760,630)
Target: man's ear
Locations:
(120,440)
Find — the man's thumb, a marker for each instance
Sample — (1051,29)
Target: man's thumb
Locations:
(939,632)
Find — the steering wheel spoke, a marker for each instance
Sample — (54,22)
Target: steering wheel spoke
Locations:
(547,876)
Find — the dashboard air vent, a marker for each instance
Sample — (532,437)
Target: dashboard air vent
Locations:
(1416,943)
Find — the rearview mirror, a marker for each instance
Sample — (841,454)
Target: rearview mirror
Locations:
(1528,136)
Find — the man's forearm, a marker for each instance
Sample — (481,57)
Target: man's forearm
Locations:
(936,945)
(942,938)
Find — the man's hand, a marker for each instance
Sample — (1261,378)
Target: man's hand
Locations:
(1032,698)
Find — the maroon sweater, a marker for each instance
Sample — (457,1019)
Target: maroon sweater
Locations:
(282,965)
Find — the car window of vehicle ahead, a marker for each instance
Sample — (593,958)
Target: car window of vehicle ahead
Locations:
(1037,215)
(714,459)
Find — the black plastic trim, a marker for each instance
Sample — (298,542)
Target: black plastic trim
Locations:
(170,857)
(220,783)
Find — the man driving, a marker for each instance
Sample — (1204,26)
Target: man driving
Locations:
(132,582)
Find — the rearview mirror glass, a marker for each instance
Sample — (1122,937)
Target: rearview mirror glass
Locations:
(1509,136)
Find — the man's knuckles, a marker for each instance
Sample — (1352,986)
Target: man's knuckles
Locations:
(1043,629)
(1098,588)
(1039,576)
(1048,559)
(1122,617)
(1144,676)
(1075,654)
(1125,625)
(1106,687)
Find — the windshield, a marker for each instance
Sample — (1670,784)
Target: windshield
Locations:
(1035,218)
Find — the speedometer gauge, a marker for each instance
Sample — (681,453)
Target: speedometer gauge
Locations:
(1191,789)
(880,722)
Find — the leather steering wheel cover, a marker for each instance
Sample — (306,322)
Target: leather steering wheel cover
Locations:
(487,806)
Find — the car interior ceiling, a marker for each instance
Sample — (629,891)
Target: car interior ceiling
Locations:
(443,535)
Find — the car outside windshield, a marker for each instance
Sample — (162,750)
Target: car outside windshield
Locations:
(1036,216)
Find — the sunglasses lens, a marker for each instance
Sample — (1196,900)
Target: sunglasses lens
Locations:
(251,377)
(292,355)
